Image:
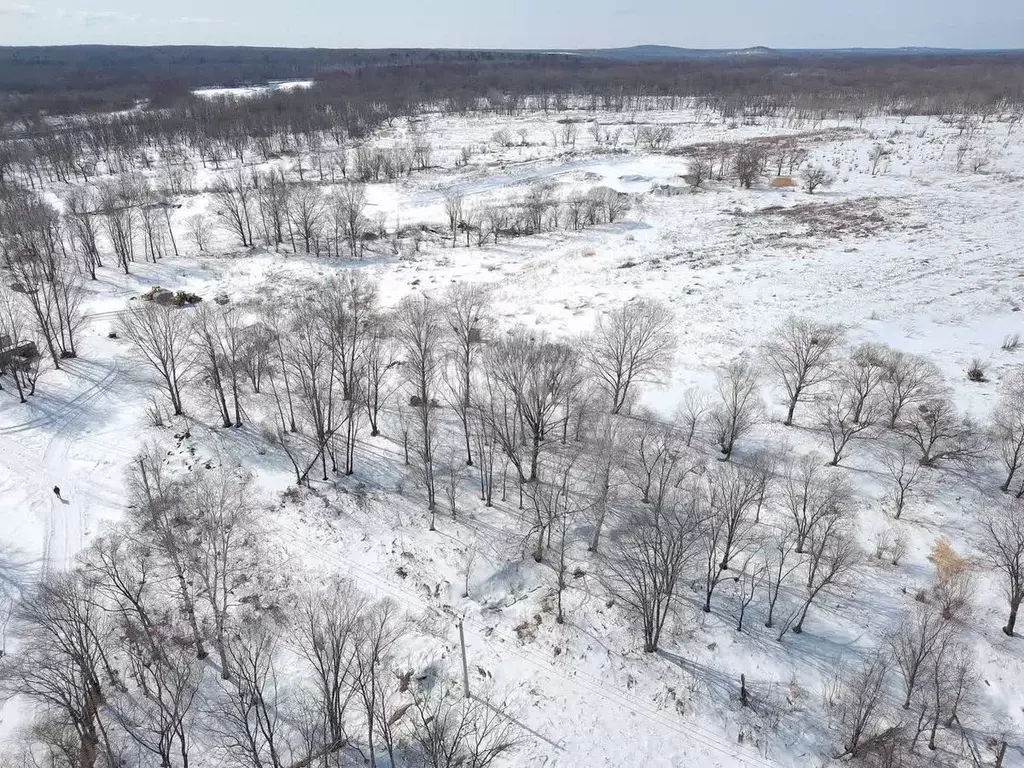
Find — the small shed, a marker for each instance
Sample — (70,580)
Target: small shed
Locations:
(14,355)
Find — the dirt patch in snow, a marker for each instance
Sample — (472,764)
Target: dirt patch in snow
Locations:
(860,218)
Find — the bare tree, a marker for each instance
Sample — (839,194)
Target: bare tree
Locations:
(535,374)
(124,569)
(802,355)
(52,289)
(728,495)
(329,624)
(765,467)
(780,564)
(941,433)
(862,698)
(750,577)
(575,205)
(1008,427)
(154,222)
(1006,553)
(692,412)
(250,717)
(733,496)
(862,375)
(306,214)
(60,661)
(908,380)
(653,553)
(82,216)
(913,643)
(380,629)
(449,731)
(233,205)
(464,307)
(118,204)
(379,361)
(556,505)
(815,178)
(653,459)
(199,231)
(221,511)
(608,455)
(347,306)
(206,332)
(902,468)
(15,330)
(454,210)
(160,337)
(699,169)
(748,163)
(310,367)
(484,421)
(157,511)
(453,475)
(419,330)
(739,408)
(833,554)
(877,154)
(949,686)
(273,201)
(630,345)
(813,497)
(160,720)
(570,132)
(843,419)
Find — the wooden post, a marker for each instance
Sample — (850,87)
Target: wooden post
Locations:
(465,667)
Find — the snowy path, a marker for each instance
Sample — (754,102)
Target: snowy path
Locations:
(53,441)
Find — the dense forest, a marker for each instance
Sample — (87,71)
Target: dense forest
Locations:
(71,79)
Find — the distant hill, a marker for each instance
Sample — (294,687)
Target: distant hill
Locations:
(666,52)
(672,53)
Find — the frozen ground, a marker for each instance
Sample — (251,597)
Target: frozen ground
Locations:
(245,92)
(917,256)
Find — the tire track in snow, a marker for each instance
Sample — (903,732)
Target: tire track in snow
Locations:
(64,520)
(66,411)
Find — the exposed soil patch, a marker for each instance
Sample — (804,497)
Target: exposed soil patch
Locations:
(860,218)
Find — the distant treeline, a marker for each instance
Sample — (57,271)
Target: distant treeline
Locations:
(64,80)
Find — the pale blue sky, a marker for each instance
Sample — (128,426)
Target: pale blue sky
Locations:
(518,23)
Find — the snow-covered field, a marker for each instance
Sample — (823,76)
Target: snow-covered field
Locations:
(916,255)
(242,92)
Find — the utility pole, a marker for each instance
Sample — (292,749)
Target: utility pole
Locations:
(465,667)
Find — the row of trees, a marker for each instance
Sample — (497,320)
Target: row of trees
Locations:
(751,161)
(265,206)
(539,209)
(175,644)
(556,422)
(560,421)
(927,661)
(127,215)
(40,289)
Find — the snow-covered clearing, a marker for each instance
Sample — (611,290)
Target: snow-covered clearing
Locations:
(242,92)
(918,256)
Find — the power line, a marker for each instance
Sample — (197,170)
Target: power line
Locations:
(579,679)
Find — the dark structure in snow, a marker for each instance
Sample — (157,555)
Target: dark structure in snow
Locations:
(14,355)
